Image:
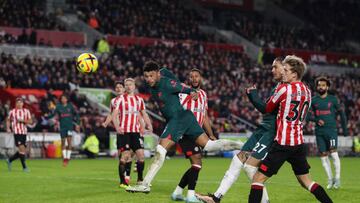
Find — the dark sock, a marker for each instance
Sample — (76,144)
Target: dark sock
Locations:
(193,177)
(22,158)
(320,193)
(14,157)
(128,168)
(255,193)
(184,179)
(140,169)
(121,172)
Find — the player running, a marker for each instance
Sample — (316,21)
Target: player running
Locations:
(18,118)
(67,116)
(256,146)
(130,108)
(292,99)
(191,151)
(180,122)
(324,110)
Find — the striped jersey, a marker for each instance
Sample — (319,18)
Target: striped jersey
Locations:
(129,112)
(199,107)
(16,115)
(293,101)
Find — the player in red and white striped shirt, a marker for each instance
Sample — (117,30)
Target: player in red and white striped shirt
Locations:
(292,99)
(130,109)
(18,118)
(119,90)
(193,152)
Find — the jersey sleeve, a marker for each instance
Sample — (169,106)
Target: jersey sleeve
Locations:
(142,104)
(75,115)
(11,114)
(174,86)
(258,103)
(27,114)
(276,98)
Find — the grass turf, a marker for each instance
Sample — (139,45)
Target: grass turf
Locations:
(96,181)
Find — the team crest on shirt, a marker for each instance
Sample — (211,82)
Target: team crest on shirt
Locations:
(196,149)
(173,83)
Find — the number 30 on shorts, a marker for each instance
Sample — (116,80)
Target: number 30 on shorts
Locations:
(259,147)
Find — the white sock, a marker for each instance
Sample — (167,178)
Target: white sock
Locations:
(155,166)
(178,190)
(230,177)
(64,153)
(336,162)
(222,145)
(250,172)
(68,154)
(190,193)
(326,164)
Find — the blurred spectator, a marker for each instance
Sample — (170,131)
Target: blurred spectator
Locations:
(91,146)
(103,46)
(93,22)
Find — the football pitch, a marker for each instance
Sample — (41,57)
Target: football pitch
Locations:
(96,181)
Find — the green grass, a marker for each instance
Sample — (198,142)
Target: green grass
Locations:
(96,181)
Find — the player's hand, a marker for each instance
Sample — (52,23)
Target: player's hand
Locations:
(194,95)
(8,130)
(77,128)
(104,124)
(321,123)
(120,130)
(149,128)
(248,89)
(212,137)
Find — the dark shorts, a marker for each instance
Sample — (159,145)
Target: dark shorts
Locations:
(326,140)
(259,143)
(189,147)
(128,141)
(278,154)
(20,139)
(184,124)
(67,132)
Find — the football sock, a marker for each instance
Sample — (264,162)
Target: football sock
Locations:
(64,154)
(326,164)
(128,168)
(22,159)
(155,166)
(222,145)
(121,170)
(230,177)
(140,169)
(68,154)
(319,193)
(14,157)
(193,176)
(256,193)
(184,179)
(336,162)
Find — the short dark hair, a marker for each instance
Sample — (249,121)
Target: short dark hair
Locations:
(196,70)
(118,83)
(324,79)
(151,66)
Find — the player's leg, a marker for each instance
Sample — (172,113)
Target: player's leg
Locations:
(123,145)
(17,154)
(217,145)
(269,167)
(22,156)
(335,158)
(68,147)
(323,147)
(137,146)
(128,166)
(300,166)
(63,148)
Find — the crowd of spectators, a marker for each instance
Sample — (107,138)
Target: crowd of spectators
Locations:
(274,34)
(226,75)
(27,14)
(167,19)
(339,17)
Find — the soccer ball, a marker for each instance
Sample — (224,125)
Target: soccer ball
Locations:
(87,63)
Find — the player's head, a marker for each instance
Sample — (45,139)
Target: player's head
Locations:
(63,99)
(195,78)
(129,85)
(119,88)
(294,68)
(277,68)
(322,85)
(19,102)
(151,73)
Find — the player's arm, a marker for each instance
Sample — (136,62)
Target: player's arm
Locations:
(115,118)
(207,127)
(174,86)
(108,118)
(340,110)
(8,122)
(254,98)
(28,120)
(76,115)
(276,98)
(311,114)
(145,116)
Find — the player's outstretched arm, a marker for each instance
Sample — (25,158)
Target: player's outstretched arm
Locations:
(254,98)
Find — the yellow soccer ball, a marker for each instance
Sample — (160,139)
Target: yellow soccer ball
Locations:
(87,63)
